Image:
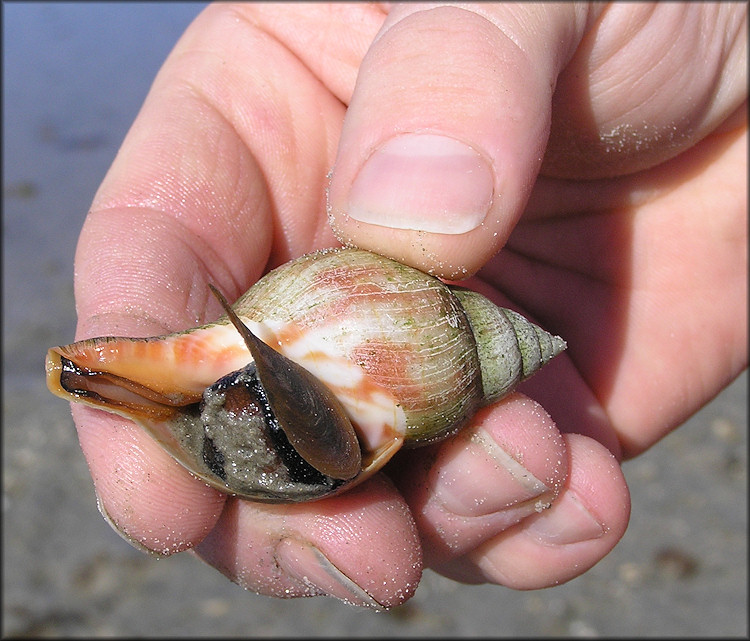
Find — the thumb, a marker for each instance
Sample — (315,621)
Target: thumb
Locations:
(446,130)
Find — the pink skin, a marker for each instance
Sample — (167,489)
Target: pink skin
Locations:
(224,173)
(290,551)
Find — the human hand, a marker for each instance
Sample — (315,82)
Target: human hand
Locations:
(632,246)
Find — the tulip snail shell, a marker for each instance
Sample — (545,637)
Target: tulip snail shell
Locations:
(319,373)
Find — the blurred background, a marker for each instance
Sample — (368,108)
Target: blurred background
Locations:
(74,76)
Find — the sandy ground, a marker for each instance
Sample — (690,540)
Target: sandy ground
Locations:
(74,77)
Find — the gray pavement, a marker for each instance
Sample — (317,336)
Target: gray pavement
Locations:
(74,78)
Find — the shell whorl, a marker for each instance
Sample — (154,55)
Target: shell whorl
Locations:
(510,347)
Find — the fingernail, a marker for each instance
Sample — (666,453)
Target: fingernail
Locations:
(308,564)
(567,521)
(423,182)
(484,479)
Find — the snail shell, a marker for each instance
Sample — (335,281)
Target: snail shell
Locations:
(313,380)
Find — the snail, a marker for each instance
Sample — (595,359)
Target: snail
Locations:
(319,373)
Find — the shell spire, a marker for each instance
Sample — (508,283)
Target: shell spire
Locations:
(510,347)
